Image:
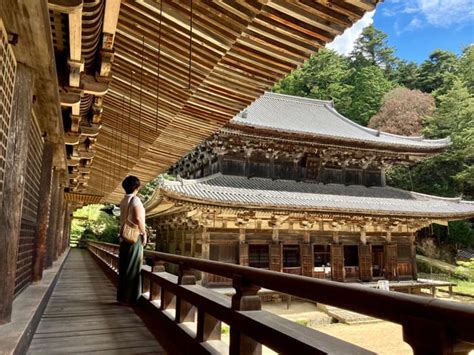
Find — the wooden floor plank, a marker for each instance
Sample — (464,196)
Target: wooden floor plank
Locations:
(83,316)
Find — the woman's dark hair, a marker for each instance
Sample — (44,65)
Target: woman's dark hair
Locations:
(130,183)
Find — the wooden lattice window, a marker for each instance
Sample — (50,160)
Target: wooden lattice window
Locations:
(404,251)
(259,255)
(291,256)
(353,177)
(312,168)
(322,255)
(373,178)
(332,175)
(7,83)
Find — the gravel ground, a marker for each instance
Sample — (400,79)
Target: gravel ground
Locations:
(380,337)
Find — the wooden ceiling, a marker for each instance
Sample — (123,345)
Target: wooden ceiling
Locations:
(182,69)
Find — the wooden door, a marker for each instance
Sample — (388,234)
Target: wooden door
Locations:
(243,254)
(391,261)
(307,262)
(365,262)
(337,262)
(275,257)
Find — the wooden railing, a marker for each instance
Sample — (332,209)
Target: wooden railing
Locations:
(429,325)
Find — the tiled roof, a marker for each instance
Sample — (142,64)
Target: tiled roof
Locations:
(465,253)
(319,118)
(263,193)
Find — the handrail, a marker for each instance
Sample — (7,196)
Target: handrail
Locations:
(353,297)
(410,311)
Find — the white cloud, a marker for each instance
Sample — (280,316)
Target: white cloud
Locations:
(437,13)
(344,44)
(444,13)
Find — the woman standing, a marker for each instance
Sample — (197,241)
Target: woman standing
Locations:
(131,255)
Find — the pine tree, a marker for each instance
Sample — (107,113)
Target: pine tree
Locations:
(371,48)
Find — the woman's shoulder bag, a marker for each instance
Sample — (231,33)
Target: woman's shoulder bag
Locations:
(129,231)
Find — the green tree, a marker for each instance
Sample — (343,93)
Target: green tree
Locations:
(466,68)
(371,48)
(407,74)
(438,71)
(455,117)
(92,222)
(449,174)
(370,85)
(323,76)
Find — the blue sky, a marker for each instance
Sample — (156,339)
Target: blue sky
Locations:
(417,27)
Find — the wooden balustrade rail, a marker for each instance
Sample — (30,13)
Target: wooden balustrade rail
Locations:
(429,325)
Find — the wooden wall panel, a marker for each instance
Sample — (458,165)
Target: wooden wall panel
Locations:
(7,78)
(23,275)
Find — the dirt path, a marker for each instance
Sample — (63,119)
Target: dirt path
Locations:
(381,337)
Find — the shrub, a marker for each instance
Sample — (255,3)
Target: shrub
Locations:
(465,270)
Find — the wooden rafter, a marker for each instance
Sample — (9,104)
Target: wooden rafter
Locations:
(215,58)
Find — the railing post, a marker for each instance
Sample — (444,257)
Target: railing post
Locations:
(427,336)
(208,327)
(185,311)
(245,299)
(155,289)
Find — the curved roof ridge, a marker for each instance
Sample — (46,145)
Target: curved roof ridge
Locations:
(453,199)
(377,132)
(182,181)
(308,100)
(446,140)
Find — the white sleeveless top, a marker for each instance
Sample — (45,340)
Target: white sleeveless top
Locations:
(124,205)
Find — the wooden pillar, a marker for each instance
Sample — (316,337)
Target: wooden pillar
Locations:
(205,253)
(307,259)
(244,299)
(365,262)
(244,254)
(13,186)
(337,262)
(193,244)
(243,248)
(275,256)
(391,261)
(59,222)
(52,231)
(44,203)
(414,268)
(67,225)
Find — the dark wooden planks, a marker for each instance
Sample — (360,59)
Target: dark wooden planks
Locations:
(83,316)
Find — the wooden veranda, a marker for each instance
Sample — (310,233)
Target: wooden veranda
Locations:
(94,90)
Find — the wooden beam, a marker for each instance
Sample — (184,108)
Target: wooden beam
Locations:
(111,15)
(13,188)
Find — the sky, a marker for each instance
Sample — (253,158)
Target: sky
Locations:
(416,27)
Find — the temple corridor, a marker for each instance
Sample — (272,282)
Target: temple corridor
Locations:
(82,315)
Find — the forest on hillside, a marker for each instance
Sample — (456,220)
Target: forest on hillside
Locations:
(435,99)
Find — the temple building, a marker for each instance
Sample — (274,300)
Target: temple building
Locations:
(291,185)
